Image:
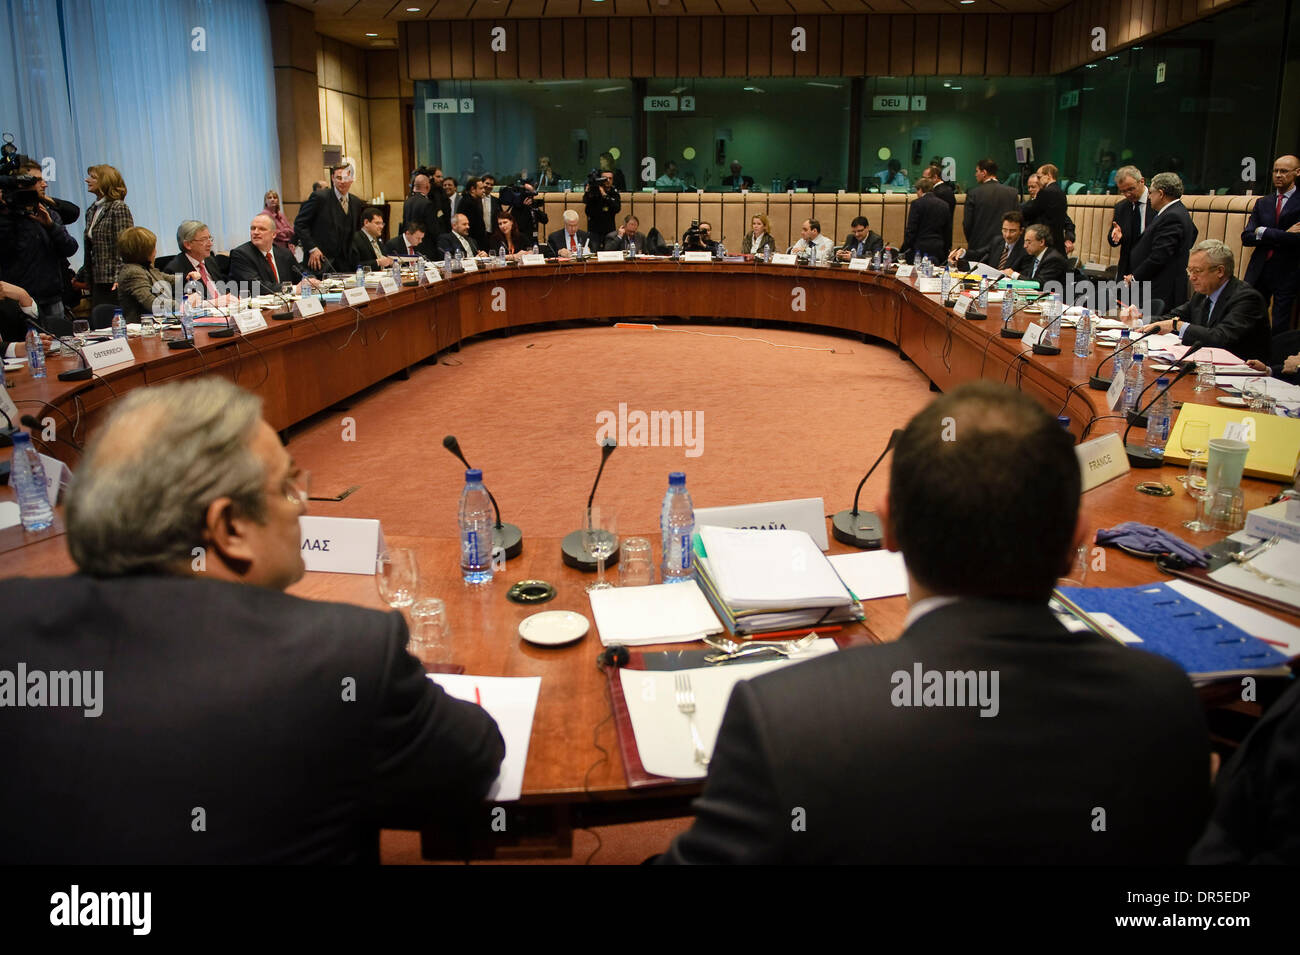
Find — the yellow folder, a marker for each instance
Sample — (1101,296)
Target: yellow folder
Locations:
(1274,440)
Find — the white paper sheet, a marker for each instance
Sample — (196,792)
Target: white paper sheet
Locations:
(771,569)
(659,613)
(512,701)
(872,573)
(10,515)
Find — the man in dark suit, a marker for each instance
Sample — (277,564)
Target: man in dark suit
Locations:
(1042,263)
(1048,206)
(987,733)
(1132,215)
(1160,255)
(459,239)
(419,208)
(629,236)
(568,241)
(928,221)
(736,180)
(367,247)
(474,206)
(410,243)
(250,263)
(327,222)
(1223,312)
(1274,230)
(195,261)
(945,191)
(1006,253)
(986,204)
(602,203)
(860,242)
(220,720)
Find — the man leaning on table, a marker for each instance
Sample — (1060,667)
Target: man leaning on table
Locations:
(1085,751)
(220,719)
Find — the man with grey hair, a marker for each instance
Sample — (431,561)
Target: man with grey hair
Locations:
(1160,255)
(195,261)
(238,724)
(327,222)
(568,241)
(1223,311)
(1132,213)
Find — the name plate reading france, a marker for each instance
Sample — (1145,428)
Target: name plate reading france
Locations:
(1101,459)
(250,320)
(781,258)
(388,285)
(115,351)
(532,258)
(357,295)
(471,265)
(614,256)
(962,305)
(696,257)
(904,271)
(309,306)
(1033,334)
(340,545)
(927,285)
(859,264)
(804,514)
(1115,392)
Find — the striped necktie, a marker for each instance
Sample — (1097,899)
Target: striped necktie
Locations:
(1006,253)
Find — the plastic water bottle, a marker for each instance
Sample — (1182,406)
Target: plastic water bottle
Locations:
(187,318)
(875,260)
(1083,335)
(720,251)
(476,520)
(677,251)
(887,260)
(982,300)
(119,324)
(1159,418)
(446,263)
(1133,385)
(945,283)
(361,277)
(501,254)
(1123,353)
(397,272)
(631,250)
(767,255)
(1063,421)
(458,264)
(28,480)
(676,526)
(35,352)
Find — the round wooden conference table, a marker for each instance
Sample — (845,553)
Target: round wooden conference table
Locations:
(575,773)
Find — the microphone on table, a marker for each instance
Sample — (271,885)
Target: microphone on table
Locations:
(862,528)
(1039,347)
(1138,418)
(7,432)
(287,314)
(1098,383)
(229,330)
(506,536)
(84,373)
(34,425)
(1007,331)
(573,545)
(1141,456)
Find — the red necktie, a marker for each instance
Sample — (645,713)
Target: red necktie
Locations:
(207,282)
(275,273)
(573,242)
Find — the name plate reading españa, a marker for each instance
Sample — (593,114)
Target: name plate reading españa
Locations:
(340,545)
(115,351)
(805,514)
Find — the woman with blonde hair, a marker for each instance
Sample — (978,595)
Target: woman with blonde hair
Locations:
(106,219)
(283,227)
(759,238)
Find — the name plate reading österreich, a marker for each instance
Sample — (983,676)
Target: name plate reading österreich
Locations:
(115,351)
(309,306)
(613,256)
(962,305)
(388,285)
(805,514)
(859,264)
(1101,459)
(357,295)
(470,265)
(904,271)
(532,258)
(340,545)
(249,320)
(784,258)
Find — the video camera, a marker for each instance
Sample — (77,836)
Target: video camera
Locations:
(17,193)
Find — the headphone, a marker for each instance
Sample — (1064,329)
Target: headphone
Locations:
(615,655)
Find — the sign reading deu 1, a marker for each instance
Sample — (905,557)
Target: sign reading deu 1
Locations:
(898,104)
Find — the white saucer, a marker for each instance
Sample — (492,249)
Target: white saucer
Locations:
(1232,400)
(554,628)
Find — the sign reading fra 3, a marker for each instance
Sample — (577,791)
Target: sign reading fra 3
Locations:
(448,105)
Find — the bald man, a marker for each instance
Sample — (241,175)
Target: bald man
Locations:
(259,260)
(1274,230)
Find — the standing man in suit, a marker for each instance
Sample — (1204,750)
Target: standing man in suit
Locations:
(944,191)
(195,261)
(367,251)
(982,666)
(293,729)
(568,241)
(1048,206)
(860,242)
(479,207)
(1274,230)
(419,208)
(1160,255)
(1133,214)
(260,260)
(1007,253)
(327,222)
(1223,312)
(985,206)
(1042,263)
(602,202)
(928,221)
(459,239)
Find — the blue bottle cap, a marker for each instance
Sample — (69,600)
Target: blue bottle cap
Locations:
(1161,382)
(1139,357)
(677,479)
(473,476)
(21,438)
(1063,421)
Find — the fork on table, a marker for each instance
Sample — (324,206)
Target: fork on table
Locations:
(686,704)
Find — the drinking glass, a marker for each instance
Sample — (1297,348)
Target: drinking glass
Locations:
(80,330)
(635,563)
(1198,490)
(1204,377)
(1253,389)
(397,574)
(1195,441)
(430,630)
(600,537)
(148,326)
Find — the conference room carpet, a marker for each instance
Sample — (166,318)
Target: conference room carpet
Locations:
(784,414)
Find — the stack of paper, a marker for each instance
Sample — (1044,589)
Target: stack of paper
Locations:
(660,613)
(870,574)
(770,580)
(511,701)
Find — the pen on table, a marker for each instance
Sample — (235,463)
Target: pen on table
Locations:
(477,696)
(1276,643)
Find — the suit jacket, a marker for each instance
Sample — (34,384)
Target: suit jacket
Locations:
(472,209)
(1017,258)
(139,289)
(397,246)
(322,224)
(601,210)
(179,264)
(449,242)
(1257,795)
(1083,724)
(1130,224)
(749,247)
(420,208)
(948,194)
(871,244)
(248,264)
(300,728)
(1239,321)
(929,221)
(1284,245)
(616,243)
(737,182)
(362,254)
(986,204)
(1160,256)
(103,226)
(557,240)
(1049,209)
(1051,268)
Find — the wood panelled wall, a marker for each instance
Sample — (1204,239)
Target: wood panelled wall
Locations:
(688,46)
(1126,22)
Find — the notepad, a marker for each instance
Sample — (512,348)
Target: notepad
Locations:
(771,569)
(872,573)
(659,613)
(511,701)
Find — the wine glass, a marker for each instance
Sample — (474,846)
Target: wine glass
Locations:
(1195,441)
(81,330)
(397,575)
(599,537)
(1198,490)
(1253,389)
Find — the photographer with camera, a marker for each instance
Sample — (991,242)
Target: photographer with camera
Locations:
(34,244)
(698,238)
(602,202)
(528,209)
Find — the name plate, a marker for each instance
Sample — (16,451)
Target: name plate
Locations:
(115,351)
(1033,334)
(432,274)
(340,545)
(805,514)
(250,320)
(309,306)
(782,258)
(859,264)
(57,476)
(1101,460)
(696,257)
(905,271)
(357,295)
(532,258)
(962,305)
(928,286)
(388,285)
(603,256)
(470,265)
(1115,392)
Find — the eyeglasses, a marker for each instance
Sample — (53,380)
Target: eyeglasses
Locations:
(1195,272)
(297,488)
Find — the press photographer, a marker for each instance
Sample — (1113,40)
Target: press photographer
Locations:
(34,245)
(602,202)
(698,238)
(528,209)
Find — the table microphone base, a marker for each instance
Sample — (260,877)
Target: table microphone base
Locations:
(7,437)
(1099,384)
(1136,420)
(1008,332)
(281,316)
(1142,457)
(509,538)
(176,344)
(1040,349)
(862,530)
(77,374)
(974,316)
(222,333)
(577,555)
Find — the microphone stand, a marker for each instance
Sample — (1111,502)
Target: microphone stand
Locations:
(1096,382)
(1007,331)
(1138,418)
(574,547)
(1039,347)
(862,530)
(506,536)
(1142,457)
